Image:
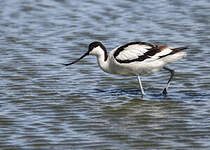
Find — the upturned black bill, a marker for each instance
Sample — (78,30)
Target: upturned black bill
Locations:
(77,59)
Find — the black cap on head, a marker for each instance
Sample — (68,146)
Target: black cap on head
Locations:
(94,45)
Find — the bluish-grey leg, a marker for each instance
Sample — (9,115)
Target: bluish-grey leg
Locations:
(140,85)
(172,74)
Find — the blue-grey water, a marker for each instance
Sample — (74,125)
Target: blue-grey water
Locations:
(45,105)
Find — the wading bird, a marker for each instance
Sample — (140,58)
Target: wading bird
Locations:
(135,59)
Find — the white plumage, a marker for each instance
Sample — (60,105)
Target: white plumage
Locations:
(135,58)
(133,52)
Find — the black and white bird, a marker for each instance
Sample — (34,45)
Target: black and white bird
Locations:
(135,59)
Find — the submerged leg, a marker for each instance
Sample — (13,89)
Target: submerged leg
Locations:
(140,85)
(172,74)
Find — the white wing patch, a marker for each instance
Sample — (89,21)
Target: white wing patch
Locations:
(133,52)
(164,52)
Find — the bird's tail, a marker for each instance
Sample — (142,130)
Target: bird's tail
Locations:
(175,55)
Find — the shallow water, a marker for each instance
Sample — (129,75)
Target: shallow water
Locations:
(44,105)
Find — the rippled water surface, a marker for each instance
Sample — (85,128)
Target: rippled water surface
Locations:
(45,105)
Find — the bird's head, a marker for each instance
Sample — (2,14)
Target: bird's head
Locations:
(94,48)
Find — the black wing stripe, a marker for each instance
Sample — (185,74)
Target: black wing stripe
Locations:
(175,50)
(121,48)
(151,52)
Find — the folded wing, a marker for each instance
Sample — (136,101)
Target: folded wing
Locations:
(142,52)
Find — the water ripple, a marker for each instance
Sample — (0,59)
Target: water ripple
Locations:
(45,105)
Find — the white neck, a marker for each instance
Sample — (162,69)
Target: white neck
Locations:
(104,65)
(100,54)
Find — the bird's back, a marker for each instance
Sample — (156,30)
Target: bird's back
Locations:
(137,57)
(142,51)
